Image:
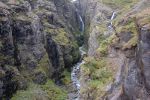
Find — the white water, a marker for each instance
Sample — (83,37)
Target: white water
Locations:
(76,69)
(80,18)
(82,23)
(82,52)
(73,0)
(113,15)
(75,74)
(112,18)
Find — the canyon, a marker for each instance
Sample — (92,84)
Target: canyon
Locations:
(74,49)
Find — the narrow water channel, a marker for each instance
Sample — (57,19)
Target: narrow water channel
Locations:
(76,73)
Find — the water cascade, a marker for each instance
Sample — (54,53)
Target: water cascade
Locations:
(75,74)
(81,23)
(112,18)
(76,69)
(113,15)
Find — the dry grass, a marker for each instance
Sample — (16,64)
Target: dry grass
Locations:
(143,17)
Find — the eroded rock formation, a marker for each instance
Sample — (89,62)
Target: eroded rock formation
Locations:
(37,42)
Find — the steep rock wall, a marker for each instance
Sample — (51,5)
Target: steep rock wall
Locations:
(125,50)
(37,42)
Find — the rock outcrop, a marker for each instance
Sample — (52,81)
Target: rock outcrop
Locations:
(37,42)
(124,46)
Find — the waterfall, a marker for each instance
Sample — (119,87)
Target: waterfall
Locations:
(76,68)
(82,26)
(73,0)
(112,18)
(81,23)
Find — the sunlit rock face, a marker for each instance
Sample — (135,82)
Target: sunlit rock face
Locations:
(128,54)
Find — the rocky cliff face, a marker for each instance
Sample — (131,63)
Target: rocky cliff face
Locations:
(133,74)
(37,42)
(124,47)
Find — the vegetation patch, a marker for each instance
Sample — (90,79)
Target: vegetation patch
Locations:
(49,91)
(66,77)
(105,42)
(53,91)
(99,77)
(119,4)
(33,92)
(61,36)
(129,27)
(44,65)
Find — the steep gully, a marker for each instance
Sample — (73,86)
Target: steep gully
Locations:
(76,69)
(75,74)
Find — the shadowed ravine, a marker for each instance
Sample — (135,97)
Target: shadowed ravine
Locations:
(76,69)
(75,75)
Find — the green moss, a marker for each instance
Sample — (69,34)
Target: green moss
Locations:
(129,27)
(75,51)
(67,77)
(61,37)
(102,27)
(6,58)
(96,67)
(100,76)
(120,4)
(124,7)
(104,43)
(43,65)
(49,91)
(54,92)
(49,30)
(103,48)
(33,92)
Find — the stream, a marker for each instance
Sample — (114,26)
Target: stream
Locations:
(76,68)
(114,14)
(76,73)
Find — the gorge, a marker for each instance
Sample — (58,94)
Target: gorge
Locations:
(74,49)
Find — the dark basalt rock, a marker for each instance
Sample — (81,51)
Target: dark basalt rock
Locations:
(8,85)
(40,78)
(24,43)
